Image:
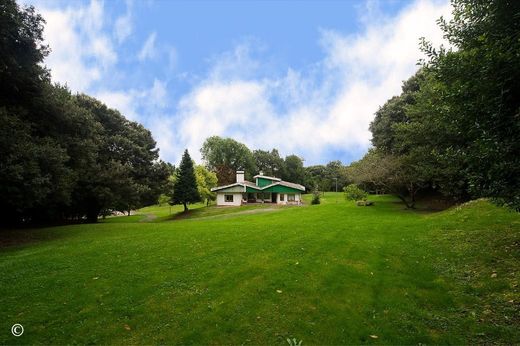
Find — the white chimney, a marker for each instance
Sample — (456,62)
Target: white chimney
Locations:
(240,176)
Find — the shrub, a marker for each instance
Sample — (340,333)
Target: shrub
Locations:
(315,197)
(354,193)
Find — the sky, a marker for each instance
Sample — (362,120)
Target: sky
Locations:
(304,77)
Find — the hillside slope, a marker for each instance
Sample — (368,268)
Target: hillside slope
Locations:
(329,274)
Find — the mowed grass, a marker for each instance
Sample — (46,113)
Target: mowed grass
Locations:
(327,274)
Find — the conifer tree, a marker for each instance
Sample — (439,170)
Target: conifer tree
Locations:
(185,189)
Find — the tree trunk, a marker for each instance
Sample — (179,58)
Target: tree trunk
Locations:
(92,214)
(408,205)
(185,207)
(412,191)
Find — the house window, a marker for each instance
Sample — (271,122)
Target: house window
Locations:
(291,197)
(281,197)
(228,198)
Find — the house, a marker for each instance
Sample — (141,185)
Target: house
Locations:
(264,190)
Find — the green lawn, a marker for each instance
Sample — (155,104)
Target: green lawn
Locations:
(327,274)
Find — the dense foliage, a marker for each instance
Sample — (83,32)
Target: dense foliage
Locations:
(225,156)
(63,156)
(269,163)
(205,181)
(316,199)
(354,193)
(455,128)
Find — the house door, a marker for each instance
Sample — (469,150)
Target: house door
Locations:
(273,197)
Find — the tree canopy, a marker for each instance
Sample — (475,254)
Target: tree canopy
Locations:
(63,156)
(225,156)
(455,127)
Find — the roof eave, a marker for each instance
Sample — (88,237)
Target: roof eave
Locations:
(214,189)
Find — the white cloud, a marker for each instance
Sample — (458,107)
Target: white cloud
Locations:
(124,102)
(312,112)
(237,63)
(123,26)
(158,94)
(137,104)
(294,112)
(148,51)
(81,52)
(173,57)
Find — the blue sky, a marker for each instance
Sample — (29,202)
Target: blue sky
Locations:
(304,77)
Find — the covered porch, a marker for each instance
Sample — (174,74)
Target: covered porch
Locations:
(274,195)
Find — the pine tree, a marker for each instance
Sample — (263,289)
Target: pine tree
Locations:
(185,189)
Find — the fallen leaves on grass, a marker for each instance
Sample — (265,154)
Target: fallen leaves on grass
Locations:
(127,327)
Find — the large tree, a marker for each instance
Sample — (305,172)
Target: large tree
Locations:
(294,170)
(127,173)
(185,189)
(381,172)
(269,162)
(393,113)
(21,54)
(225,156)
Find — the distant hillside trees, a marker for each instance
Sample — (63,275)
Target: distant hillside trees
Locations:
(63,156)
(225,156)
(326,177)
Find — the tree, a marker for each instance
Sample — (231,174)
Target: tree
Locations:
(393,113)
(326,177)
(390,173)
(225,156)
(126,174)
(205,181)
(470,104)
(270,163)
(63,156)
(21,54)
(185,189)
(354,193)
(336,175)
(294,170)
(315,196)
(315,177)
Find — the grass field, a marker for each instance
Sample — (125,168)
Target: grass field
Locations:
(327,274)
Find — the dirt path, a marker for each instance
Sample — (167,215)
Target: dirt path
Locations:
(253,211)
(148,218)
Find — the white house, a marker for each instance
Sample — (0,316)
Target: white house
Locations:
(264,190)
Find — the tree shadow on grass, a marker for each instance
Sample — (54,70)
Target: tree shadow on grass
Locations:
(14,237)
